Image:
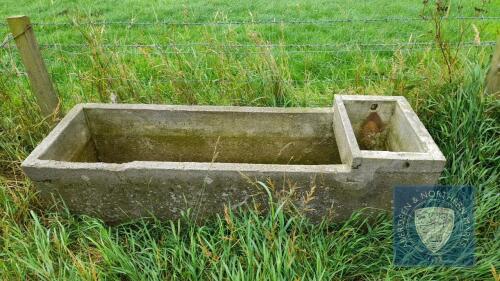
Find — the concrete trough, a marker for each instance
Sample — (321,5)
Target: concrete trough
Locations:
(120,162)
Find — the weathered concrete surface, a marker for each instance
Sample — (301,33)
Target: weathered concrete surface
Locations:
(120,162)
(213,134)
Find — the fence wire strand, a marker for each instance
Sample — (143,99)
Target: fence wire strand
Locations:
(243,46)
(250,80)
(273,21)
(188,48)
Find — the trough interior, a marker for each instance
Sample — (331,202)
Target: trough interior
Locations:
(382,126)
(124,135)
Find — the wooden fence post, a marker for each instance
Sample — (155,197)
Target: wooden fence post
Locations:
(493,78)
(41,85)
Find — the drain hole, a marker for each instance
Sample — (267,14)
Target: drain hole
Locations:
(374,106)
(406,164)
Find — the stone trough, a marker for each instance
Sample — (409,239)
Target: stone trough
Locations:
(120,162)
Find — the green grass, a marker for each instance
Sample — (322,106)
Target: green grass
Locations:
(39,244)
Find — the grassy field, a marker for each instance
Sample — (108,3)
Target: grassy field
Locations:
(248,62)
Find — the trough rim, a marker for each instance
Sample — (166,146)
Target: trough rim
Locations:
(431,150)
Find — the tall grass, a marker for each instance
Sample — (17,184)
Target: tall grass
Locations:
(250,245)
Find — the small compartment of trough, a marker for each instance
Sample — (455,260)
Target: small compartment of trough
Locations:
(127,133)
(382,125)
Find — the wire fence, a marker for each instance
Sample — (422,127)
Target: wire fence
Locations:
(186,48)
(215,47)
(272,21)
